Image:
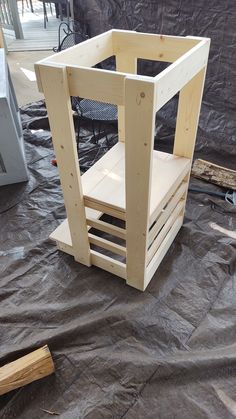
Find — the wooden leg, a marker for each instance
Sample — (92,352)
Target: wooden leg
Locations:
(126,64)
(55,87)
(190,99)
(188,115)
(139,130)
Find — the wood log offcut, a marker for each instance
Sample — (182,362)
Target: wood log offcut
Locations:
(31,367)
(214,173)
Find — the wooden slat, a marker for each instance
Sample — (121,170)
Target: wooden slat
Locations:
(169,191)
(107,228)
(25,370)
(167,212)
(167,226)
(173,78)
(105,209)
(151,46)
(62,235)
(107,244)
(139,126)
(110,191)
(54,81)
(125,63)
(164,247)
(88,53)
(63,240)
(108,264)
(92,83)
(101,261)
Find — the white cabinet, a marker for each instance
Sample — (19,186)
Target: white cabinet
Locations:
(13,167)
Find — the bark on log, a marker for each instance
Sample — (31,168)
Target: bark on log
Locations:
(213,173)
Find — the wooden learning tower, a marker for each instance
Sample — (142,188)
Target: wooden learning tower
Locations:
(131,182)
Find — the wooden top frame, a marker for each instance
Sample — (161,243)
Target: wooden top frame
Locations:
(188,56)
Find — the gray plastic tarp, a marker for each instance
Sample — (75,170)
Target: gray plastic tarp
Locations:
(169,352)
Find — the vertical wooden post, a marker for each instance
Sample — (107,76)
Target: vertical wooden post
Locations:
(139,127)
(55,87)
(190,99)
(125,63)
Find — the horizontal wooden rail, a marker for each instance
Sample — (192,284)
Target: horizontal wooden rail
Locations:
(109,264)
(159,239)
(107,244)
(167,212)
(87,53)
(104,209)
(169,194)
(163,249)
(151,46)
(174,77)
(107,228)
(92,83)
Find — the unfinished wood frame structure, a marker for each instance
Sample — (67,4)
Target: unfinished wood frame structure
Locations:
(132,182)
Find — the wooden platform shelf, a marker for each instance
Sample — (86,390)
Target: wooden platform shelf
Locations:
(146,189)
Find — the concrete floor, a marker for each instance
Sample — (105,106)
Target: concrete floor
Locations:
(21,66)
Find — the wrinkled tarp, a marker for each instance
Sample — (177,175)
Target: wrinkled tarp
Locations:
(169,352)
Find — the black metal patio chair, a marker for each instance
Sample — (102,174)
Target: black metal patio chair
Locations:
(99,113)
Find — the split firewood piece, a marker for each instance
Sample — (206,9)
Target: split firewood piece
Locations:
(31,367)
(213,173)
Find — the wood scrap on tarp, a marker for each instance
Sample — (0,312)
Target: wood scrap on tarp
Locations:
(213,173)
(31,367)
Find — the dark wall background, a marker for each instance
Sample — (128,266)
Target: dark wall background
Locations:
(214,19)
